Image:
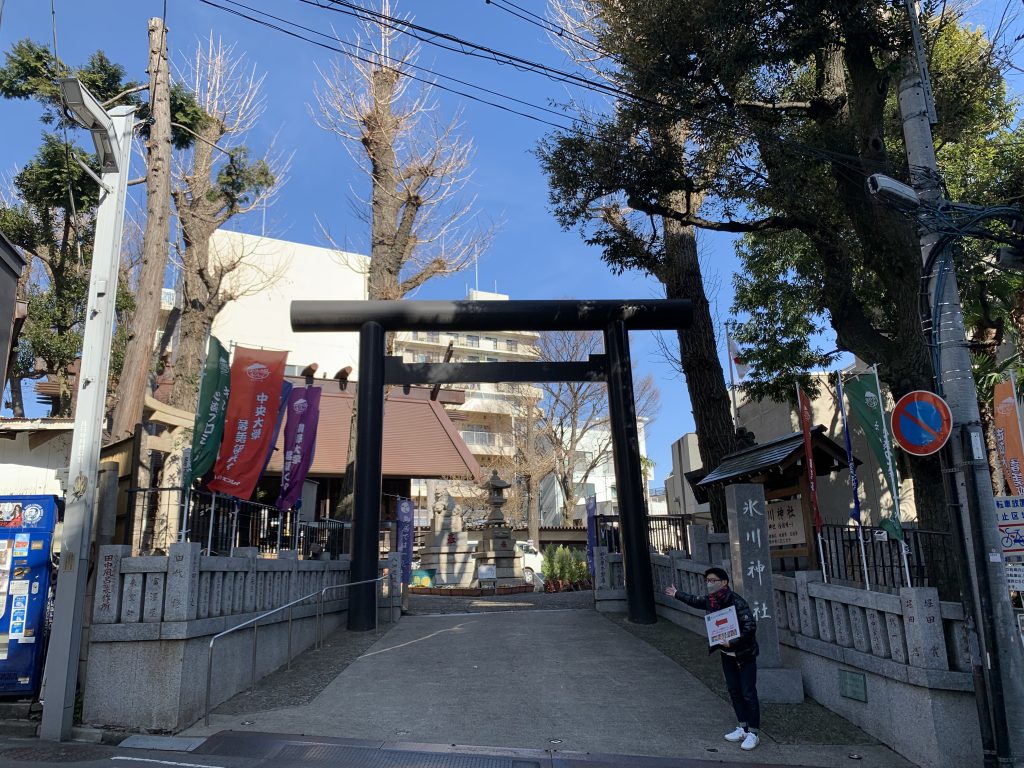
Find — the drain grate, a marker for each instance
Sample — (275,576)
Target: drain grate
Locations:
(56,753)
(357,757)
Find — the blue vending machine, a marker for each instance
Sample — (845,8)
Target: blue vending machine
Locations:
(27,524)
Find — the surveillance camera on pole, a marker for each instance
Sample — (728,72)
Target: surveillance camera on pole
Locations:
(894,193)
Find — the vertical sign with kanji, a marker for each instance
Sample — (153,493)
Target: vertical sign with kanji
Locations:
(751,576)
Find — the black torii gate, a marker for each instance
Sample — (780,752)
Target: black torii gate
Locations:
(375,318)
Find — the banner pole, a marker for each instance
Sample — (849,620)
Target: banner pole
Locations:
(213,517)
(854,483)
(732,381)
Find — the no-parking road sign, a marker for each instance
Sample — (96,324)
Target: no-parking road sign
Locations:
(921,422)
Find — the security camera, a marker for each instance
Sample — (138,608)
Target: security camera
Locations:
(895,193)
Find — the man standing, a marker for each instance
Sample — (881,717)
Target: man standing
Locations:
(739,656)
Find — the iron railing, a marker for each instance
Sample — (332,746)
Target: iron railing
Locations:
(254,622)
(664,532)
(868,557)
(219,523)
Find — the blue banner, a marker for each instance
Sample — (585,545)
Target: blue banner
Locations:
(405,530)
(855,512)
(591,532)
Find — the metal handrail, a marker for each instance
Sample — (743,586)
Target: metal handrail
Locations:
(255,624)
(320,607)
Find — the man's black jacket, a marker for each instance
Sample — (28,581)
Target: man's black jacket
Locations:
(744,646)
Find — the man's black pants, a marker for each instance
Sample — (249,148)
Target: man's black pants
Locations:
(741,680)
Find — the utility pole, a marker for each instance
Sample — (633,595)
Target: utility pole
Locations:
(1000,643)
(138,361)
(60,679)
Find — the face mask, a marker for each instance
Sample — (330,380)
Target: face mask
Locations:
(714,586)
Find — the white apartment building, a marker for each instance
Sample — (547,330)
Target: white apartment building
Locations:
(487,420)
(273,273)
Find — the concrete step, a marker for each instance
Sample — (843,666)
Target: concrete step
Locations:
(17,710)
(19,729)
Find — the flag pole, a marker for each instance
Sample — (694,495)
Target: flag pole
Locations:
(893,477)
(855,485)
(812,481)
(732,380)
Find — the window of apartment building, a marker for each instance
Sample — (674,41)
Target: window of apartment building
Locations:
(472,341)
(585,490)
(432,336)
(476,434)
(490,342)
(511,345)
(490,359)
(472,358)
(455,338)
(292,370)
(582,461)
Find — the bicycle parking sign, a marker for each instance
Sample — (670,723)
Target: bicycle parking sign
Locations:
(1010,518)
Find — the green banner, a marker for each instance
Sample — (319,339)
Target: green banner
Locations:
(865,403)
(213,402)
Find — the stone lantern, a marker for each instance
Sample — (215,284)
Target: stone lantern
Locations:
(496,488)
(497,560)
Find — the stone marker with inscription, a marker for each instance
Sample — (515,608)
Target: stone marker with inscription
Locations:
(752,580)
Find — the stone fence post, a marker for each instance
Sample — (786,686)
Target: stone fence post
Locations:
(182,596)
(697,536)
(922,623)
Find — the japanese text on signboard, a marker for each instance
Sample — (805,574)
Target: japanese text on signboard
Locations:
(785,523)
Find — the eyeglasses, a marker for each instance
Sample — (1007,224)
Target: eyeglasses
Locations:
(714,581)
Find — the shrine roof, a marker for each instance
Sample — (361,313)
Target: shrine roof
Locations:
(780,456)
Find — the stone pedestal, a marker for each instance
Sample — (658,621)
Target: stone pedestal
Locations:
(448,551)
(497,548)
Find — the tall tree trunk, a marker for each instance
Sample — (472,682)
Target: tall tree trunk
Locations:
(698,354)
(138,361)
(17,399)
(200,305)
(62,406)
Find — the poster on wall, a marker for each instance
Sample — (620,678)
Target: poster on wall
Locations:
(785,523)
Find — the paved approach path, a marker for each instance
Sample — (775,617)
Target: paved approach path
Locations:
(504,673)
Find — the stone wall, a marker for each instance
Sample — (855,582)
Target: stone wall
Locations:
(154,618)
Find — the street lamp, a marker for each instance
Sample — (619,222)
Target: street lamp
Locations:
(89,113)
(111,132)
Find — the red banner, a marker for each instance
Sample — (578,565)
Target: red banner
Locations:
(1008,438)
(253,405)
(806,416)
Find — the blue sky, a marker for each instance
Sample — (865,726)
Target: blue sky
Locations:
(531,257)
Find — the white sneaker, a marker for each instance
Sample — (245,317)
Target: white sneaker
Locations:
(750,741)
(736,735)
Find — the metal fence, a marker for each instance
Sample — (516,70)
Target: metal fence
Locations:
(162,516)
(868,557)
(664,532)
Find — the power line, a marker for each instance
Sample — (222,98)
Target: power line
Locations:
(465,47)
(548,26)
(852,161)
(391,68)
